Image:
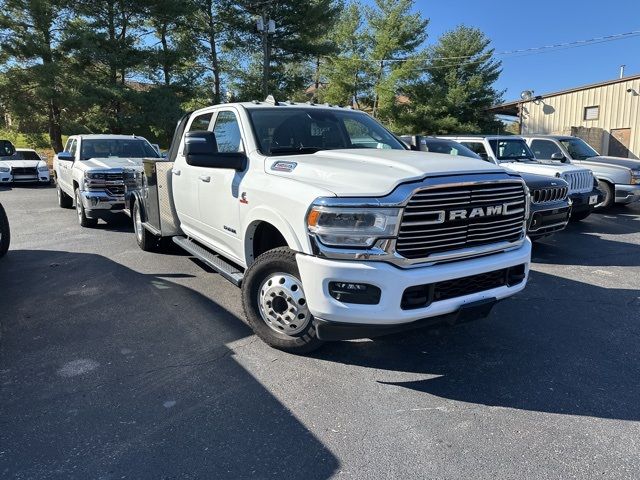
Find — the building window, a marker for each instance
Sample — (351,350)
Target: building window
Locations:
(591,113)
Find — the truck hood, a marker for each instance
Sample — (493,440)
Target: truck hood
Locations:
(534,181)
(618,161)
(549,169)
(370,172)
(20,163)
(109,162)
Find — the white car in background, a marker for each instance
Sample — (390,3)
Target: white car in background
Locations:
(24,166)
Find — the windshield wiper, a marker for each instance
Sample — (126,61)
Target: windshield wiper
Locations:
(301,149)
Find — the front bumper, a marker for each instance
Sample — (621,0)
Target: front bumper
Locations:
(39,177)
(627,193)
(317,273)
(98,204)
(547,219)
(581,202)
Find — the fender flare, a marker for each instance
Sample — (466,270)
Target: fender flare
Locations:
(268,215)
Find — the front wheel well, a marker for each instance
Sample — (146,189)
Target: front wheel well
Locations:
(264,237)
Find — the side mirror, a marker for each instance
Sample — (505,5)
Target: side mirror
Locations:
(201,150)
(65,157)
(6,148)
(558,157)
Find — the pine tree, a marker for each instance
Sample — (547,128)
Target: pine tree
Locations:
(396,35)
(347,73)
(459,88)
(31,44)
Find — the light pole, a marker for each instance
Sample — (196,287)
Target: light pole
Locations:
(266,27)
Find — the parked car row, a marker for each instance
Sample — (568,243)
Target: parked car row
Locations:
(329,224)
(594,182)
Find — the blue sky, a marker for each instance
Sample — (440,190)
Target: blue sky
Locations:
(515,25)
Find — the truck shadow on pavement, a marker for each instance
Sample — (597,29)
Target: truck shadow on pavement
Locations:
(107,373)
(560,346)
(583,243)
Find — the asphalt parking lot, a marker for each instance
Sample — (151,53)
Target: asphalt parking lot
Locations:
(117,363)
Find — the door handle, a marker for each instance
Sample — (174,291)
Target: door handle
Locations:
(205,178)
(175,172)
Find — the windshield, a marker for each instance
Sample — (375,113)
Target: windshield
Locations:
(26,155)
(448,147)
(578,149)
(116,147)
(511,149)
(288,130)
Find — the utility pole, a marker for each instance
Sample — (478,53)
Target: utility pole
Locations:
(266,27)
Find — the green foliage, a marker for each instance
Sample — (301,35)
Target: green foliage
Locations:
(346,76)
(458,89)
(135,66)
(396,34)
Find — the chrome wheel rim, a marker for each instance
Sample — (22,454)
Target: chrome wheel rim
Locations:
(137,223)
(283,304)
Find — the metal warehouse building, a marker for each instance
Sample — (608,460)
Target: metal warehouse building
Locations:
(606,115)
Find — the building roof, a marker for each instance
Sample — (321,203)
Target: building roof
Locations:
(511,108)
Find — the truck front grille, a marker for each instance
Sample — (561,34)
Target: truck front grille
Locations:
(440,219)
(551,194)
(115,190)
(24,171)
(580,181)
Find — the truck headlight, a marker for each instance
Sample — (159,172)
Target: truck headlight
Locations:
(43,168)
(5,169)
(94,176)
(635,176)
(352,227)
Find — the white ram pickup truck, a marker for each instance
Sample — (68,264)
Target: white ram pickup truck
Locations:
(331,226)
(94,170)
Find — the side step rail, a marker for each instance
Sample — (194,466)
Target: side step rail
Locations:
(216,262)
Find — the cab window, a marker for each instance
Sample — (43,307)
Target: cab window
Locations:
(543,149)
(478,149)
(73,147)
(227,132)
(201,122)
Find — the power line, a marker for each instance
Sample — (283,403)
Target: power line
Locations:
(520,52)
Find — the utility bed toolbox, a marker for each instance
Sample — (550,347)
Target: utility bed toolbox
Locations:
(157,202)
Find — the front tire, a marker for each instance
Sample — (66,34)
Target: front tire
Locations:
(83,220)
(275,304)
(5,233)
(609,195)
(146,241)
(64,200)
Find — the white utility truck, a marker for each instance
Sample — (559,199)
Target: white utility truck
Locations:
(330,225)
(93,171)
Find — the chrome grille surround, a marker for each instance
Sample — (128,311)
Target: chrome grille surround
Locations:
(550,194)
(385,249)
(441,219)
(579,180)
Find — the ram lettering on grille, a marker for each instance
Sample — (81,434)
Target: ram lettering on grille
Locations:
(439,219)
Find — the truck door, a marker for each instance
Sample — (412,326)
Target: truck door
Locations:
(219,189)
(65,168)
(185,180)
